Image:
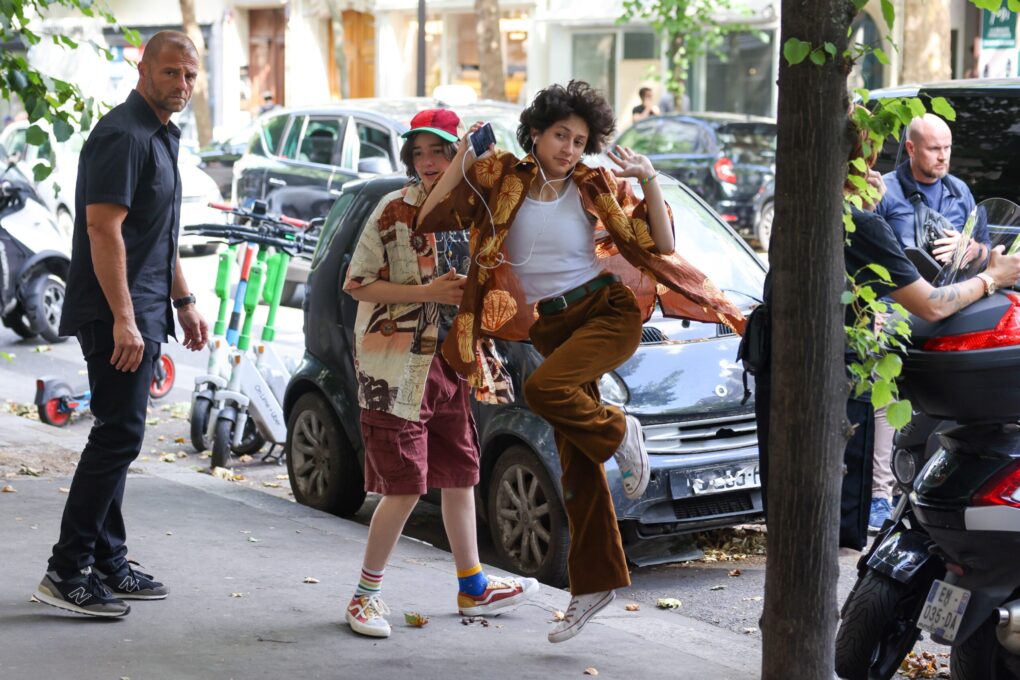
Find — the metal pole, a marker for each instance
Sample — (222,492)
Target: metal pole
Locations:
(420,91)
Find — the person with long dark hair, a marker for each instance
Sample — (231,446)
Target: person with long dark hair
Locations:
(567,255)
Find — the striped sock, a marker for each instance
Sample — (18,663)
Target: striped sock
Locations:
(472,581)
(370,583)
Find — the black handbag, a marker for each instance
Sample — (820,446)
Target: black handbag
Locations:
(929,225)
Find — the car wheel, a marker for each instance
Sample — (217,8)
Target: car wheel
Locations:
(18,322)
(43,305)
(200,411)
(323,469)
(65,222)
(763,230)
(878,628)
(527,518)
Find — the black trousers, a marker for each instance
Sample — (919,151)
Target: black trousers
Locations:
(92,528)
(858,461)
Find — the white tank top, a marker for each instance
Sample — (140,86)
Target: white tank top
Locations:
(551,245)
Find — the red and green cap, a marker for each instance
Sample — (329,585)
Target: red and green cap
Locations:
(440,122)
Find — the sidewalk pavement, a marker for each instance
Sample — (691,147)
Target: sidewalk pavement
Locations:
(236,561)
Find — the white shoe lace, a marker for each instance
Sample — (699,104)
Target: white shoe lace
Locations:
(373,606)
(503,582)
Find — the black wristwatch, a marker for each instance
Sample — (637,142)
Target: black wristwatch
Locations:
(188,299)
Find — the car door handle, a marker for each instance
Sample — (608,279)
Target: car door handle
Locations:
(278,182)
(335,192)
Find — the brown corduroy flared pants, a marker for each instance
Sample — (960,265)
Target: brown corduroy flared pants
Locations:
(590,337)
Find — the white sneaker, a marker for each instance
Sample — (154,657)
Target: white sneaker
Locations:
(365,616)
(581,609)
(632,459)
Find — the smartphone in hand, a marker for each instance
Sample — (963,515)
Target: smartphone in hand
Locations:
(481,139)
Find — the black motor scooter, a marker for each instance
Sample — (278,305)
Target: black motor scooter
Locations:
(946,562)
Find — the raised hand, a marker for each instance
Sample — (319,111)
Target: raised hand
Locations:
(631,164)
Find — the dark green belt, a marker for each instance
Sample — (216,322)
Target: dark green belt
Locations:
(560,302)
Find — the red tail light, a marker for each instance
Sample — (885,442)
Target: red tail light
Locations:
(1006,332)
(1002,489)
(724,171)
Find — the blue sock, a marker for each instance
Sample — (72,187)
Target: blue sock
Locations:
(472,581)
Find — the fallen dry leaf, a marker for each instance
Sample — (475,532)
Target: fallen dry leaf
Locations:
(668,603)
(8,489)
(271,485)
(222,473)
(245,458)
(749,631)
(415,619)
(734,572)
(282,477)
(152,421)
(161,438)
(310,579)
(590,671)
(252,539)
(25,470)
(632,607)
(718,588)
(236,594)
(168,457)
(64,489)
(144,458)
(558,615)
(179,440)
(42,348)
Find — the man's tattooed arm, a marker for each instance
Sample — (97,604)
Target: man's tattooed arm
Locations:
(951,299)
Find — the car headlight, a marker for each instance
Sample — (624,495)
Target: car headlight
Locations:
(613,389)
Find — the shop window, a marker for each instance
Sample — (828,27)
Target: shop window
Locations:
(868,70)
(744,82)
(640,45)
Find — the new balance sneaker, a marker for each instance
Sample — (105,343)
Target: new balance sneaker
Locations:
(501,593)
(365,615)
(880,512)
(129,583)
(580,611)
(632,459)
(83,593)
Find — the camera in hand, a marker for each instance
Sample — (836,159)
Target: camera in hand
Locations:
(481,139)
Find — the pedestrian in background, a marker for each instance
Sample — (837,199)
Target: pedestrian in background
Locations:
(547,234)
(123,276)
(646,109)
(415,409)
(926,207)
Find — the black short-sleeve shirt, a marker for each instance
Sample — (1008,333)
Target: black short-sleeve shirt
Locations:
(873,242)
(129,159)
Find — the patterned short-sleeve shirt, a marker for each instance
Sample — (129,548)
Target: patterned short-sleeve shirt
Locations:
(394,343)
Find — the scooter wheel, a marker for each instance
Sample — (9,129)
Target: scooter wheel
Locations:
(221,442)
(52,414)
(878,628)
(161,387)
(200,410)
(251,441)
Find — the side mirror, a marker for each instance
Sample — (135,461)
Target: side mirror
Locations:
(376,165)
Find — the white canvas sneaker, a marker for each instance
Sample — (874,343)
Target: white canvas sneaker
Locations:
(632,459)
(581,609)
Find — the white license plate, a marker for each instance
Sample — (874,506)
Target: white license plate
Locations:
(943,610)
(722,479)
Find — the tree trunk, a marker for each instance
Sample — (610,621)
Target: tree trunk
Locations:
(200,95)
(490,50)
(926,49)
(678,69)
(809,383)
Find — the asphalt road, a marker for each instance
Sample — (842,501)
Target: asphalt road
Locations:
(724,590)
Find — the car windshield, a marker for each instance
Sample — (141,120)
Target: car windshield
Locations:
(704,241)
(753,143)
(664,136)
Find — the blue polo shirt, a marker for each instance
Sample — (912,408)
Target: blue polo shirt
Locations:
(948,196)
(129,159)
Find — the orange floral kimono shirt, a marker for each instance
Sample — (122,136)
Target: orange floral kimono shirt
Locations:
(494,303)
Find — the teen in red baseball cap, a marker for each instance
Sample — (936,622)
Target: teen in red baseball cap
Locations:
(416,418)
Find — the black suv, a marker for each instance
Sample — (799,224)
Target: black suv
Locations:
(300,159)
(727,158)
(986,133)
(683,383)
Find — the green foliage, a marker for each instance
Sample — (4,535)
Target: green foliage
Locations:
(61,105)
(691,28)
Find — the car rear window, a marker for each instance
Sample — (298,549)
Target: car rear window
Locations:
(272,130)
(664,136)
(748,142)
